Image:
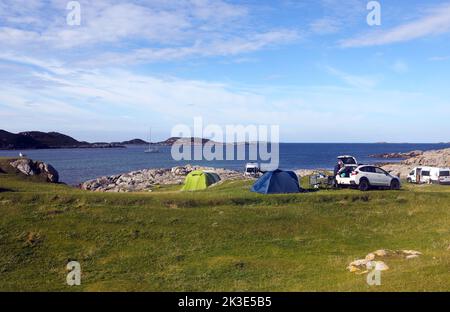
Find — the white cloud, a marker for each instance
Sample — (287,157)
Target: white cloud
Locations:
(139,31)
(439,58)
(436,22)
(325,26)
(101,100)
(225,47)
(357,81)
(338,15)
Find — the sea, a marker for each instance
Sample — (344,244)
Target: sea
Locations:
(81,164)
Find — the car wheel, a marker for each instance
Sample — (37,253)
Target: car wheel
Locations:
(395,185)
(364,185)
(409,180)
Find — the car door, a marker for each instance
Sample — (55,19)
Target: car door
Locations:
(382,177)
(369,173)
(372,176)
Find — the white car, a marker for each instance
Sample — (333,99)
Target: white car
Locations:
(343,176)
(365,177)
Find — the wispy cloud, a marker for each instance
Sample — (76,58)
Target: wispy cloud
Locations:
(436,22)
(337,16)
(226,47)
(357,81)
(325,26)
(139,31)
(439,58)
(101,100)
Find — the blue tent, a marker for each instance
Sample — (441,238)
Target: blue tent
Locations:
(277,182)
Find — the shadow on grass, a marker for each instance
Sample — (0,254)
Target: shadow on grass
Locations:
(310,190)
(4,190)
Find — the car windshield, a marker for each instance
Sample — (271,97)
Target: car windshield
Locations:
(444,174)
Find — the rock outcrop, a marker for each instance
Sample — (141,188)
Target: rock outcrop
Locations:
(398,155)
(435,158)
(145,180)
(372,260)
(36,168)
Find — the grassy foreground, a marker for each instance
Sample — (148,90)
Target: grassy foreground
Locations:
(223,239)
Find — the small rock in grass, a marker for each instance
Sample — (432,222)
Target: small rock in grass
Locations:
(412,257)
(411,252)
(360,262)
(370,257)
(381,266)
(352,269)
(380,253)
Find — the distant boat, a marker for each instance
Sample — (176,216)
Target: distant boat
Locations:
(151,149)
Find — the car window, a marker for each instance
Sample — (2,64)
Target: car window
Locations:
(412,173)
(444,174)
(426,173)
(380,171)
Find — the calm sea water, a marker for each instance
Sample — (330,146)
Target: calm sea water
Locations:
(78,165)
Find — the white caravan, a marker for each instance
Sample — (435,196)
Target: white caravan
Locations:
(420,175)
(440,176)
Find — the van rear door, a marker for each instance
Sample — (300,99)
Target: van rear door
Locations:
(444,176)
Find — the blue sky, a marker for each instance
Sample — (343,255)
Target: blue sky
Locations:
(315,68)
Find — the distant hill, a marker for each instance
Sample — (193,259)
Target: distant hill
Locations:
(42,140)
(134,142)
(10,140)
(54,139)
(192,140)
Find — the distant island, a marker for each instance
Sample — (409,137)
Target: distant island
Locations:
(48,140)
(133,142)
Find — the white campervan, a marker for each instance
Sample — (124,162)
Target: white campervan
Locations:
(420,175)
(440,175)
(252,170)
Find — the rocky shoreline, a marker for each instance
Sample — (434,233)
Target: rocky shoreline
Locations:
(434,158)
(397,155)
(145,180)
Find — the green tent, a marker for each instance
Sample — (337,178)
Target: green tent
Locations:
(199,180)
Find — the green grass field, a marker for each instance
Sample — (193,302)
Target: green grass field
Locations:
(222,239)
